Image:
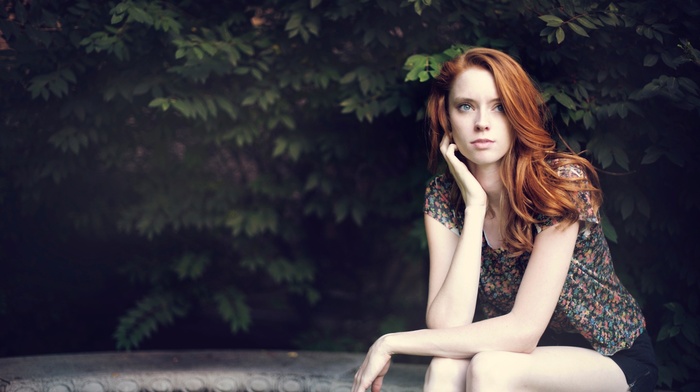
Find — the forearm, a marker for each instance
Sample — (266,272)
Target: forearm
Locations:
(503,333)
(455,303)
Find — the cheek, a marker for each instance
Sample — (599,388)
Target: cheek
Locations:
(459,138)
(458,127)
(511,134)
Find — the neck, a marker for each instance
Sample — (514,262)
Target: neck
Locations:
(490,179)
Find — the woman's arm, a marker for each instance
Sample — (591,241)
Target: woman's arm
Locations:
(455,263)
(517,331)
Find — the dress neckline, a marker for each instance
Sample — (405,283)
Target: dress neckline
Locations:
(488,244)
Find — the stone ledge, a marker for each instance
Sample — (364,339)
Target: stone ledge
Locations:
(196,371)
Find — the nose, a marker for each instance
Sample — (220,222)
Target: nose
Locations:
(482,122)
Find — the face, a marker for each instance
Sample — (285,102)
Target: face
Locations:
(480,128)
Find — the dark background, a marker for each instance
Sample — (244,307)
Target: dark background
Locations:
(192,175)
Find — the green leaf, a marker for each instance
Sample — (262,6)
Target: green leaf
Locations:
(233,308)
(552,20)
(610,19)
(651,155)
(199,53)
(650,60)
(423,76)
(312,27)
(560,35)
(643,207)
(664,333)
(565,100)
(621,157)
(209,48)
(146,316)
(340,209)
(180,53)
(577,29)
(416,64)
(68,75)
(294,22)
(191,266)
(117,18)
(586,22)
(280,147)
(588,120)
(608,229)
(627,207)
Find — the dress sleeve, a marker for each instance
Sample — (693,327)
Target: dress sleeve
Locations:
(437,203)
(586,214)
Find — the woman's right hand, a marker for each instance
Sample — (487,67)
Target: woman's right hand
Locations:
(473,193)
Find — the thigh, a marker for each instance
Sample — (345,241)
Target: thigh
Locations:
(446,375)
(555,369)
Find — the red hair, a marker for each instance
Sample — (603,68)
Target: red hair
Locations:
(529,169)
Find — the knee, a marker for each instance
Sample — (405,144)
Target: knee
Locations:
(445,374)
(486,372)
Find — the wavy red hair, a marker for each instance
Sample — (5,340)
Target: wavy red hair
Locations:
(529,169)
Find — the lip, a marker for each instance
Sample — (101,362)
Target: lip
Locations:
(482,143)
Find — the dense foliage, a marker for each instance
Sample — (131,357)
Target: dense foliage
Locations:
(262,162)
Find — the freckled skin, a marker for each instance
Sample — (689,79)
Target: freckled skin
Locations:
(476,114)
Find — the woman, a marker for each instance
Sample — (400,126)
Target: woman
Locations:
(515,225)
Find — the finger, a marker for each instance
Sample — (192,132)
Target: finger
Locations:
(451,156)
(451,148)
(357,386)
(444,143)
(358,376)
(377,385)
(360,387)
(445,138)
(361,384)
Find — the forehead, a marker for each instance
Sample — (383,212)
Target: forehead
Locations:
(474,83)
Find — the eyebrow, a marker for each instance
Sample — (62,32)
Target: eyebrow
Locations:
(465,99)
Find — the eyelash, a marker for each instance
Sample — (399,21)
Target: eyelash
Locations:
(498,107)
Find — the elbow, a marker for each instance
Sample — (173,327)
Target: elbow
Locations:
(527,347)
(440,320)
(433,323)
(430,323)
(524,331)
(445,324)
(527,339)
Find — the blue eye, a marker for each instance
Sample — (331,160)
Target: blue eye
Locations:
(464,107)
(499,108)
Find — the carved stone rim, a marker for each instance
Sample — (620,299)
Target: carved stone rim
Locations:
(196,371)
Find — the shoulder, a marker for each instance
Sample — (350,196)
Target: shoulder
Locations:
(438,186)
(565,168)
(437,203)
(577,184)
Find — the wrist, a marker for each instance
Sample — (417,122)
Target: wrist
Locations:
(385,344)
(475,208)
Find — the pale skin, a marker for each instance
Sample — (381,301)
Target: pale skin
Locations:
(501,353)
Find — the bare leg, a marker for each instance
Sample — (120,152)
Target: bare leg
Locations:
(547,369)
(446,375)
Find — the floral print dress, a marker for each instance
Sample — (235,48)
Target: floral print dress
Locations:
(593,302)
